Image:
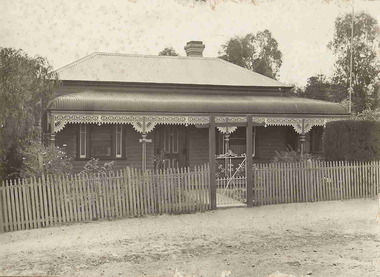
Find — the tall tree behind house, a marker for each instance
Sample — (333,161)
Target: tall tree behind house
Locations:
(366,65)
(257,52)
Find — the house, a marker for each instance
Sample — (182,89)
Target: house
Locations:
(137,110)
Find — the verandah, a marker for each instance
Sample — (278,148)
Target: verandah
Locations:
(145,123)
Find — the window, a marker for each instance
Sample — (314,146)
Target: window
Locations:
(103,142)
(119,139)
(82,141)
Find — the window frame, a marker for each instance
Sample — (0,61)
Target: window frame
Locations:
(116,130)
(82,143)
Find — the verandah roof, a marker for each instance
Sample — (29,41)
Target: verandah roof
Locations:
(195,103)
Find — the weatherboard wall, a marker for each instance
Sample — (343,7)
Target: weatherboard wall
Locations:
(132,147)
(268,141)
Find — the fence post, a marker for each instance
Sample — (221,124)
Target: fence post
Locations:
(2,191)
(211,145)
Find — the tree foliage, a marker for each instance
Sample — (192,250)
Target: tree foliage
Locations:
(366,66)
(26,85)
(321,88)
(257,52)
(168,51)
(368,114)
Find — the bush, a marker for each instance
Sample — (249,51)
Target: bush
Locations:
(92,167)
(368,115)
(39,159)
(352,140)
(292,156)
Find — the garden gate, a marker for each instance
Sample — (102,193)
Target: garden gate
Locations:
(231,184)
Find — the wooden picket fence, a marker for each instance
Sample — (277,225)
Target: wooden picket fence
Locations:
(54,200)
(314,181)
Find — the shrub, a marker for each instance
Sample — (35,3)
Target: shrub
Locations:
(39,159)
(352,140)
(92,167)
(292,156)
(368,115)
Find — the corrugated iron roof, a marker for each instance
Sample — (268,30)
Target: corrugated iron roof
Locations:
(194,103)
(108,67)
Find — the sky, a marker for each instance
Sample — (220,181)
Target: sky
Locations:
(64,31)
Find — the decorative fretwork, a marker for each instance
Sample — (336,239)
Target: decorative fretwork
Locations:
(227,129)
(139,126)
(296,123)
(232,119)
(60,121)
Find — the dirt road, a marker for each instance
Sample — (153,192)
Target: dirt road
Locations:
(338,238)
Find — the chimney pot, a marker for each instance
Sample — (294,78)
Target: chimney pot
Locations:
(194,48)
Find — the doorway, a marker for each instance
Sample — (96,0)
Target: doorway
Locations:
(170,146)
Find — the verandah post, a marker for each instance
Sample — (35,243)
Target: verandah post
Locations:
(211,146)
(52,130)
(302,138)
(144,141)
(249,173)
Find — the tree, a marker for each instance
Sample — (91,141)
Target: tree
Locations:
(26,86)
(321,88)
(168,51)
(366,66)
(257,52)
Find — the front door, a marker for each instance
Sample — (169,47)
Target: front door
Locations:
(171,146)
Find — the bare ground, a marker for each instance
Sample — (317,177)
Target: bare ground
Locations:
(339,238)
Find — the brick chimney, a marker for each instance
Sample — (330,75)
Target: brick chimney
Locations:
(194,48)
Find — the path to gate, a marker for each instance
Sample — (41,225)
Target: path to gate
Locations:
(231,192)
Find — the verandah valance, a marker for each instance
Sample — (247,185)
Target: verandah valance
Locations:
(146,123)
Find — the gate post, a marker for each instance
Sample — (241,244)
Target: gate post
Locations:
(211,146)
(249,173)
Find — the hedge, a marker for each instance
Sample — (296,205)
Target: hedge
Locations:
(352,140)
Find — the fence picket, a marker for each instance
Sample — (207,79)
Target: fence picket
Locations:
(201,188)
(125,192)
(84,199)
(74,196)
(376,186)
(135,180)
(45,212)
(171,191)
(16,204)
(3,211)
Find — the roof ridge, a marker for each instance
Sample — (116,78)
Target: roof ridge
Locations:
(153,56)
(74,63)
